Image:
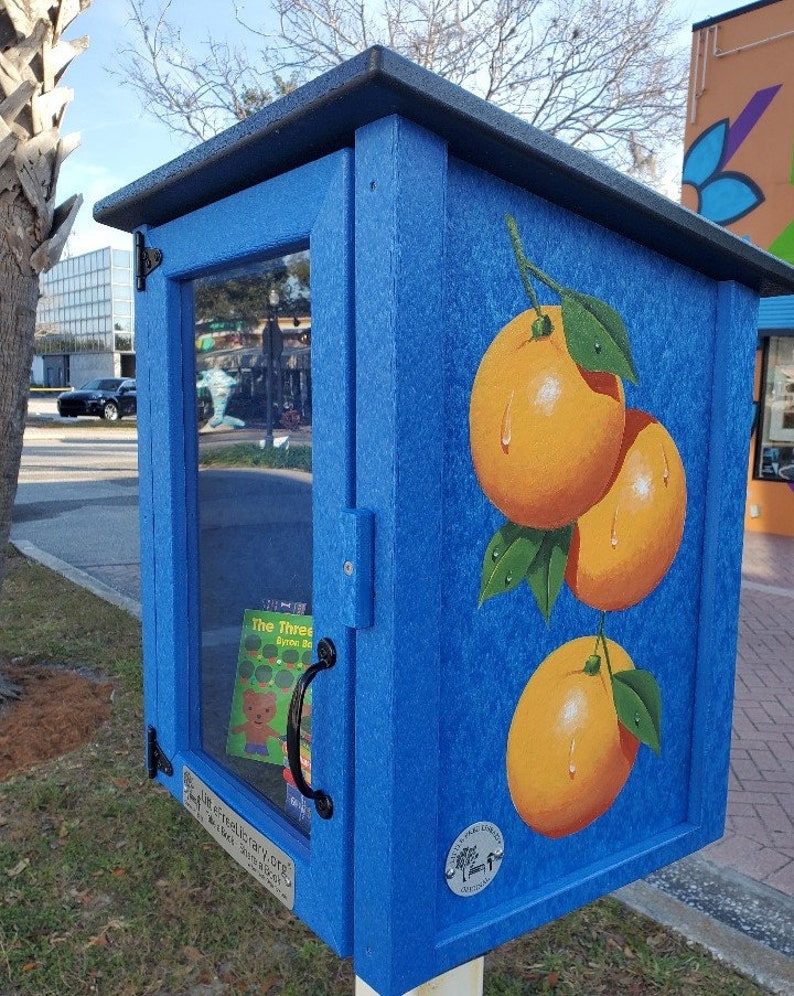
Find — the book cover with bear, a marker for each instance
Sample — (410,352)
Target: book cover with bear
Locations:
(275,649)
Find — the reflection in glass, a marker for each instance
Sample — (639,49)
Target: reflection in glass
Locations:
(254,422)
(775,449)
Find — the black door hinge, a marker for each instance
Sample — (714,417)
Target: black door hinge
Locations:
(155,758)
(146,260)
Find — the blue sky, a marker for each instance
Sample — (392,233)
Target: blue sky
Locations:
(120,143)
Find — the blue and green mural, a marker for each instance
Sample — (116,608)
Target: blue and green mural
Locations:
(725,196)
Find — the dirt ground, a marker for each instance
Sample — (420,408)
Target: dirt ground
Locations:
(59,710)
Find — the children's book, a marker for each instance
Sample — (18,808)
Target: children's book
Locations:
(275,649)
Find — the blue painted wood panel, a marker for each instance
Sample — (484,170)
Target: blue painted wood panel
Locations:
(413,275)
(399,207)
(438,677)
(692,341)
(670,316)
(311,206)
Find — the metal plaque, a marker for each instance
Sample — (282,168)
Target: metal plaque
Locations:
(474,859)
(258,855)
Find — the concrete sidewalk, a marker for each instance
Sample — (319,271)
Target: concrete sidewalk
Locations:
(759,835)
(737,895)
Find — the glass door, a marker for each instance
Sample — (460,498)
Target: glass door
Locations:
(253,374)
(246,447)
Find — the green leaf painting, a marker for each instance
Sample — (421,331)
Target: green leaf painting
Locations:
(547,571)
(508,558)
(596,336)
(638,703)
(516,553)
(594,332)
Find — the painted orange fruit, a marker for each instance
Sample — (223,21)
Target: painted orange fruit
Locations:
(544,433)
(568,756)
(624,545)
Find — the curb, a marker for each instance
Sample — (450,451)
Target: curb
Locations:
(730,946)
(78,577)
(768,589)
(730,897)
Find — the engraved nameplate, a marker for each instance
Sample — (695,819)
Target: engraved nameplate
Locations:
(251,849)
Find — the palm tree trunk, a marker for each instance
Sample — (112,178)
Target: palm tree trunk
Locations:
(19,293)
(33,231)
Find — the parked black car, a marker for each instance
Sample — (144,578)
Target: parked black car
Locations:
(107,397)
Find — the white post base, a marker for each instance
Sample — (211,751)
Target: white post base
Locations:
(467,980)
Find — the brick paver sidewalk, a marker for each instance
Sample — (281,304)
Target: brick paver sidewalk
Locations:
(759,833)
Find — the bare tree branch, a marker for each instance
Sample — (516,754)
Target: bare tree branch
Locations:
(606,75)
(195,97)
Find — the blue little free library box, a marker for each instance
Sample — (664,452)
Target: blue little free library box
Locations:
(443,433)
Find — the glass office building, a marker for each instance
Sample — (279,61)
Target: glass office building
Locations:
(84,321)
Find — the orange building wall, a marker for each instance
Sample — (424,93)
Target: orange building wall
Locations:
(739,160)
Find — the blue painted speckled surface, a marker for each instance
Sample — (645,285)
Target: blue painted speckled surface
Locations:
(412,276)
(399,191)
(669,314)
(312,205)
(694,353)
(672,320)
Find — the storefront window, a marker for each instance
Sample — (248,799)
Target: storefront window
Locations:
(775,443)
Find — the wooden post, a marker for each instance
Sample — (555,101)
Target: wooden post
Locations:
(466,980)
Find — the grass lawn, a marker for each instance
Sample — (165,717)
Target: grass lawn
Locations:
(107,886)
(298,457)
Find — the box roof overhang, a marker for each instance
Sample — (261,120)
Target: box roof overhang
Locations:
(323,116)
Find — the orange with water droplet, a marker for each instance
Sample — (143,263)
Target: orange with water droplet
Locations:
(544,433)
(624,545)
(568,755)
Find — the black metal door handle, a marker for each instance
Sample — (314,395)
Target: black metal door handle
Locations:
(323,802)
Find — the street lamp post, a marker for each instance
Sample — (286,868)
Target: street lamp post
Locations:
(272,332)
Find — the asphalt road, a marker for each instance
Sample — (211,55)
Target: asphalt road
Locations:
(77,504)
(77,499)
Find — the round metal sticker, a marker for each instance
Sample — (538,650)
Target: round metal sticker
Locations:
(474,859)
